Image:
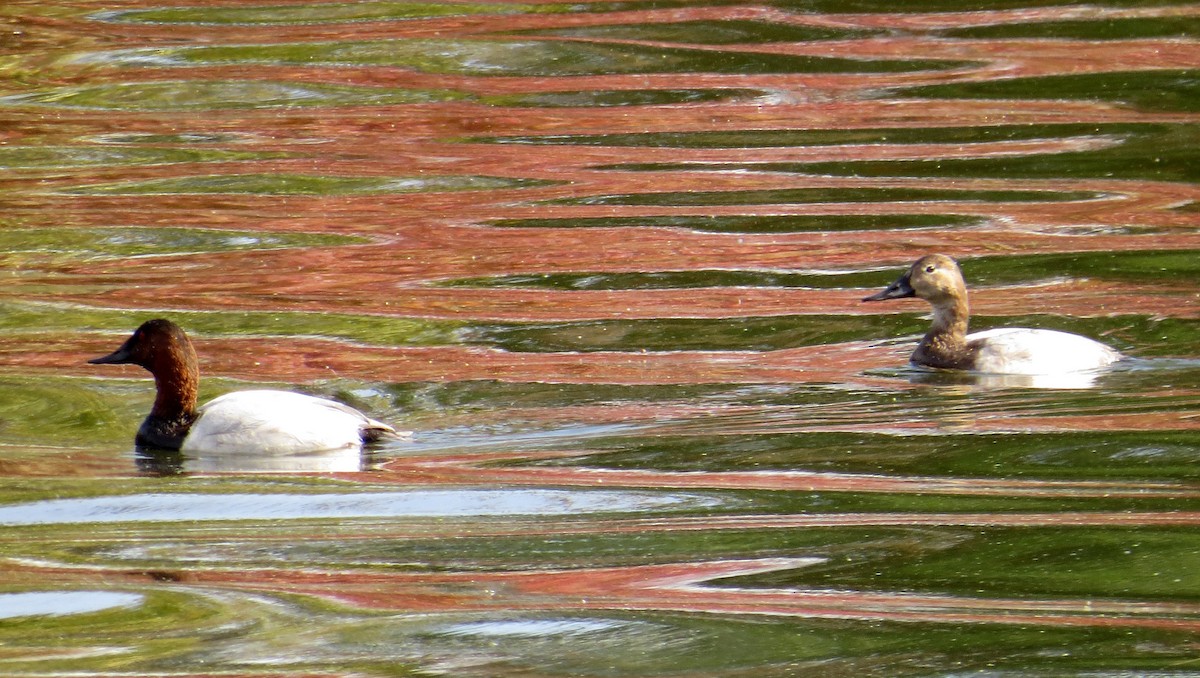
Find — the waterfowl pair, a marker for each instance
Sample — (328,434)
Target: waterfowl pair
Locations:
(937,279)
(265,421)
(271,421)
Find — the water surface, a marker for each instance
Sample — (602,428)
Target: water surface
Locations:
(605,260)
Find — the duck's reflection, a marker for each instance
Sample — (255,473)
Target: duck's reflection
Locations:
(161,462)
(1065,380)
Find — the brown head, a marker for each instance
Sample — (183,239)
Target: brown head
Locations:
(935,278)
(163,348)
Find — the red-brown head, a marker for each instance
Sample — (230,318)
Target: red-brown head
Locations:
(163,348)
(157,343)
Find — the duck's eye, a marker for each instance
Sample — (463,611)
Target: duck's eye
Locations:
(930,268)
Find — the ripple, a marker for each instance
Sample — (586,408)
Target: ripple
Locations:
(219,95)
(507,57)
(530,628)
(413,504)
(299,184)
(54,157)
(306,13)
(751,223)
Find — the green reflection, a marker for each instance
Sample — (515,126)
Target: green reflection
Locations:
(680,334)
(1148,335)
(1153,266)
(301,184)
(1096,562)
(540,544)
(752,223)
(306,634)
(1162,266)
(1154,153)
(727,32)
(395,10)
(32,319)
(1149,266)
(167,624)
(736,429)
(483,57)
(107,243)
(1079,455)
(1151,335)
(1097,29)
(839,648)
(271,15)
(499,552)
(1165,91)
(776,138)
(188,95)
(337,639)
(799,196)
(57,412)
(632,335)
(1159,267)
(1157,152)
(1142,562)
(44,157)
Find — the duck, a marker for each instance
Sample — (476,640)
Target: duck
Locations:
(937,279)
(261,420)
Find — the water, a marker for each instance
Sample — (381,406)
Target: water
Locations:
(605,260)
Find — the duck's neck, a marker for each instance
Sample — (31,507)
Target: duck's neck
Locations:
(945,345)
(176,383)
(176,388)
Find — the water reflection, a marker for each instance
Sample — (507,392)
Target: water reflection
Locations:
(955,378)
(217,95)
(530,628)
(506,57)
(415,503)
(56,603)
(173,462)
(599,250)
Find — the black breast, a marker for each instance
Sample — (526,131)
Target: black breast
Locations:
(162,433)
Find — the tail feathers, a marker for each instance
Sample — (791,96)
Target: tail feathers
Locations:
(374,431)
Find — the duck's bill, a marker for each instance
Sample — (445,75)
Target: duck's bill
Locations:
(897,290)
(121,356)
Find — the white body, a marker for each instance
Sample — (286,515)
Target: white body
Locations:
(276,422)
(1019,350)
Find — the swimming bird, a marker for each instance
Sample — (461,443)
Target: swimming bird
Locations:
(265,421)
(937,279)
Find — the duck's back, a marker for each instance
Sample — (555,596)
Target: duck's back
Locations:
(1019,350)
(278,422)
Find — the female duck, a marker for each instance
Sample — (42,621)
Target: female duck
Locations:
(937,279)
(279,422)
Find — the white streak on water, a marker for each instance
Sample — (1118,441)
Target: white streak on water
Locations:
(58,603)
(409,504)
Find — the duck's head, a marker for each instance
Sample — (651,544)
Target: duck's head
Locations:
(935,278)
(156,345)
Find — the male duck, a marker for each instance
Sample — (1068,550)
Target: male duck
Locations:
(278,422)
(937,279)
